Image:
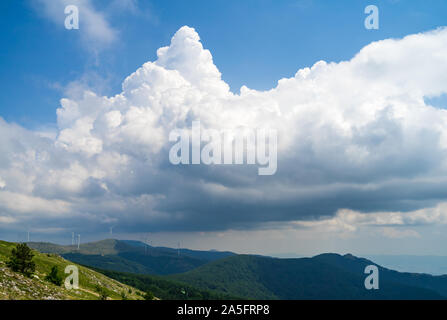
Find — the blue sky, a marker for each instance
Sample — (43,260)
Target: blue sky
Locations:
(362,141)
(253,42)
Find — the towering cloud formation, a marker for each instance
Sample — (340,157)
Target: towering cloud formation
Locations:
(355,135)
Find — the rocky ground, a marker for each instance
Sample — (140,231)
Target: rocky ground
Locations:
(14,286)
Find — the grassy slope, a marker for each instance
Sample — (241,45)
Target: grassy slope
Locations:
(16,286)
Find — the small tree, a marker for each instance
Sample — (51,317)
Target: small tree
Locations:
(54,276)
(149,296)
(21,260)
(102,292)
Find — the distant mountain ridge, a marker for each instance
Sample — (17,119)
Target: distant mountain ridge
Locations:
(327,276)
(132,256)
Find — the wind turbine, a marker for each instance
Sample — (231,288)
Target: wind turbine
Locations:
(144,240)
(148,241)
(72,238)
(79,240)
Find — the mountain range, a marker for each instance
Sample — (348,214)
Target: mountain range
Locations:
(325,276)
(132,256)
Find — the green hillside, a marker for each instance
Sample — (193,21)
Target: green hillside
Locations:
(16,286)
(166,289)
(257,277)
(354,264)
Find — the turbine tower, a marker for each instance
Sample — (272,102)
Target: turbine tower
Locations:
(79,240)
(146,242)
(72,238)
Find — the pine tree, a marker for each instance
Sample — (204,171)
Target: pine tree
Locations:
(21,260)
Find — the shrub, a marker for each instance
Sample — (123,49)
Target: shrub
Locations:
(149,296)
(102,292)
(54,276)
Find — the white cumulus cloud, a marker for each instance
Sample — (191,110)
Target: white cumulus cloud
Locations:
(355,135)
